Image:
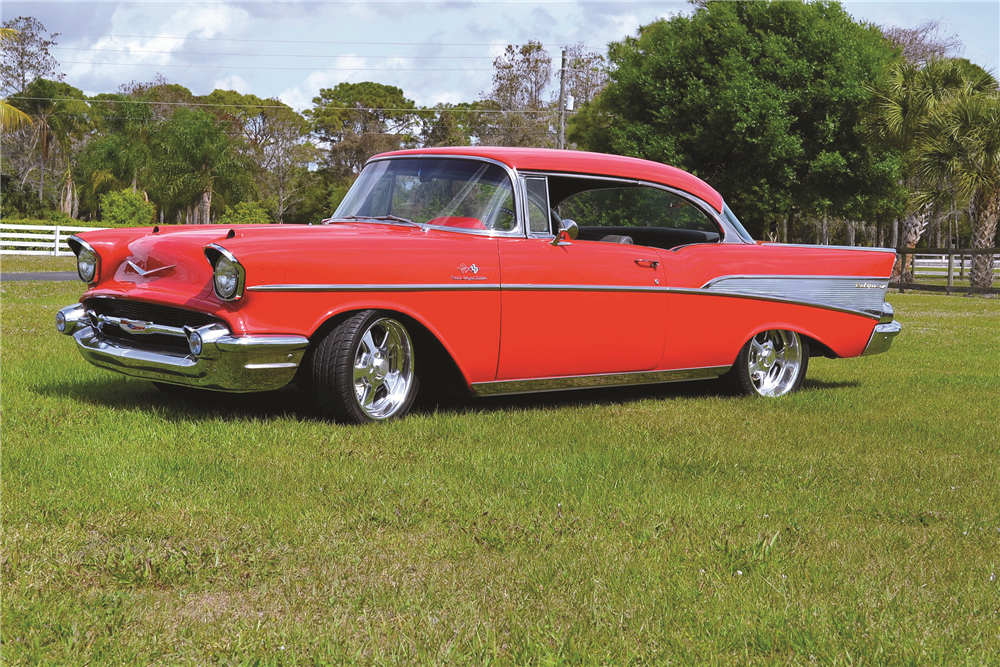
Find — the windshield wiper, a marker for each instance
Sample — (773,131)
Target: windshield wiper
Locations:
(396,218)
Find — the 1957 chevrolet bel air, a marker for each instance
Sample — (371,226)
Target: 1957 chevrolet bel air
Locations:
(506,270)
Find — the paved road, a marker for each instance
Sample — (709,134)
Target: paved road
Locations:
(40,275)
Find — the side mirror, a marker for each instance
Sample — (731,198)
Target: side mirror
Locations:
(568,230)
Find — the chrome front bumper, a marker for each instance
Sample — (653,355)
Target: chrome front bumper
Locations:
(225,362)
(885,331)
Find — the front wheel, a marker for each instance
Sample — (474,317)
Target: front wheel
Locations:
(772,363)
(363,370)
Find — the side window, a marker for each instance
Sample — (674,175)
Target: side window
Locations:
(630,213)
(634,206)
(537,192)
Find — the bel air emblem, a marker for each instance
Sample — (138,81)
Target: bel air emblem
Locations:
(869,286)
(134,326)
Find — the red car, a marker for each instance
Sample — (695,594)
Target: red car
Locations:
(504,270)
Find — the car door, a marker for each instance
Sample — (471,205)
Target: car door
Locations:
(579,307)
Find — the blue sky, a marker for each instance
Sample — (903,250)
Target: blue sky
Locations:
(435,51)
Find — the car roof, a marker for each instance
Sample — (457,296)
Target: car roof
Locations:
(580,162)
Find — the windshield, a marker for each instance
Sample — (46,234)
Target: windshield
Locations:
(466,194)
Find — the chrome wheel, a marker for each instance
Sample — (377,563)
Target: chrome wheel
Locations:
(774,362)
(363,369)
(383,369)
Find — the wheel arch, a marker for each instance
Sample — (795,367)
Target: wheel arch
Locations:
(430,351)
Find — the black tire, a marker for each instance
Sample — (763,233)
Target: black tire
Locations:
(363,369)
(772,363)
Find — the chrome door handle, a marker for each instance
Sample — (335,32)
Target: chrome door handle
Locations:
(650,263)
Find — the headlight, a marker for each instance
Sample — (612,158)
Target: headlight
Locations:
(228,275)
(86,264)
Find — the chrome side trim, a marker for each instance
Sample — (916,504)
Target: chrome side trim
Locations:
(863,295)
(592,381)
(881,338)
(831,247)
(426,287)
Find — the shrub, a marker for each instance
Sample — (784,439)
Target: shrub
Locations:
(245,213)
(126,209)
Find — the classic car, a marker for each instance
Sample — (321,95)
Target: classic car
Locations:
(497,270)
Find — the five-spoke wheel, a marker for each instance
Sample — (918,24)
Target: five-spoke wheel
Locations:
(772,363)
(363,370)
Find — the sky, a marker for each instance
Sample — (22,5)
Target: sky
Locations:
(434,51)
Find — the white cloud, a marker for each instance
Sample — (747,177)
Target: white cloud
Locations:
(234,82)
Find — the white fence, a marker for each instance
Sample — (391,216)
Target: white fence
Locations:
(936,266)
(38,239)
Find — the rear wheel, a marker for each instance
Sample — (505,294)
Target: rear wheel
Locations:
(772,363)
(363,370)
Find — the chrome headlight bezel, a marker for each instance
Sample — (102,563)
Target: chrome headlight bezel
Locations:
(228,275)
(88,262)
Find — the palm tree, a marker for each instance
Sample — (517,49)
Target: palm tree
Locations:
(11,118)
(905,101)
(961,149)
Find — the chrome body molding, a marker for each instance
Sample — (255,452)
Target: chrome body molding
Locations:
(831,247)
(428,287)
(227,362)
(850,294)
(881,338)
(594,381)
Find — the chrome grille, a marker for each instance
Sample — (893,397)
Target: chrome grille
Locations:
(150,312)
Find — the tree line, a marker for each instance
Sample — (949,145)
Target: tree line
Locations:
(816,128)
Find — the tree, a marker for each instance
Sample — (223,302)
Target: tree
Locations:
(763,100)
(274,136)
(923,44)
(58,112)
(515,112)
(904,102)
(960,148)
(358,120)
(447,125)
(26,57)
(199,161)
(11,118)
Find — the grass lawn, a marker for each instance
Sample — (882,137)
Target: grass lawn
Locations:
(30,263)
(856,522)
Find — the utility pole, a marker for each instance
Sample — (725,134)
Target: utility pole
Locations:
(562,101)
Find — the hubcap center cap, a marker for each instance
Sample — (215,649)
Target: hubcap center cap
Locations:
(768,357)
(380,366)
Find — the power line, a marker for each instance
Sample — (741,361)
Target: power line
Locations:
(267,106)
(273,55)
(286,69)
(298,41)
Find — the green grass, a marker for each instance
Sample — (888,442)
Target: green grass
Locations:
(856,522)
(30,263)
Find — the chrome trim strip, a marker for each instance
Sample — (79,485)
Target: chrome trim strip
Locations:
(881,338)
(504,387)
(425,287)
(831,247)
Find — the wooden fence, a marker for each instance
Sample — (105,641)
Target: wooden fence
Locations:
(946,269)
(38,239)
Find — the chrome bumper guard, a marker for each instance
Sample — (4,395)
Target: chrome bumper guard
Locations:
(885,331)
(224,362)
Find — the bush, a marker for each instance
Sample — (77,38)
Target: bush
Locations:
(245,213)
(126,209)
